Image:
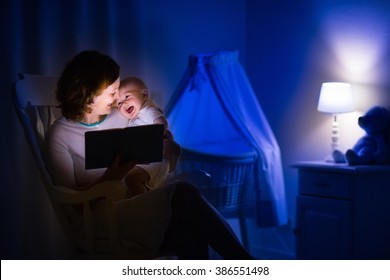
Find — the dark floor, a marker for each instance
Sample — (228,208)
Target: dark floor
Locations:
(267,243)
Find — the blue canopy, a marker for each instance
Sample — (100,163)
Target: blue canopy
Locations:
(215,103)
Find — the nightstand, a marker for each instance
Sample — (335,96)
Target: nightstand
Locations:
(343,212)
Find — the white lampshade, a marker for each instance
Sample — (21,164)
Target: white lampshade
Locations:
(335,98)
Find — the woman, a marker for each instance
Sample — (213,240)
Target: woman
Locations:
(168,219)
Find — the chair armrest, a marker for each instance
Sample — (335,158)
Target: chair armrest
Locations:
(111,190)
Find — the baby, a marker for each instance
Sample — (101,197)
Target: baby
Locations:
(135,104)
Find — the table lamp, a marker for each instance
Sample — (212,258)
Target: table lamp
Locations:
(335,98)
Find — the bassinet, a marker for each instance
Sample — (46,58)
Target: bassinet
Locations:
(231,166)
(215,116)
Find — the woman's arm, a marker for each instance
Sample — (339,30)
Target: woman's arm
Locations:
(58,159)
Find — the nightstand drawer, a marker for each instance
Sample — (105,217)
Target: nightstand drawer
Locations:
(326,184)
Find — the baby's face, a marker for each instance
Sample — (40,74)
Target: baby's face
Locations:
(131,99)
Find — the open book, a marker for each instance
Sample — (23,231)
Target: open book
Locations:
(144,144)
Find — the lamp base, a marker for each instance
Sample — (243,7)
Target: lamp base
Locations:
(336,157)
(329,158)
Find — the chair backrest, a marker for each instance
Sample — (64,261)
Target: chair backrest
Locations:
(34,101)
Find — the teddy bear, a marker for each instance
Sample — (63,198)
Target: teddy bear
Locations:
(373,147)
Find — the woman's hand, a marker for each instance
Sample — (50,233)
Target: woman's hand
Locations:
(117,170)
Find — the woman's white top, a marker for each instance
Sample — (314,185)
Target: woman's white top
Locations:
(65,149)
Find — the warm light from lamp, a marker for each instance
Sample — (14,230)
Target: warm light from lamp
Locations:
(335,98)
(357,35)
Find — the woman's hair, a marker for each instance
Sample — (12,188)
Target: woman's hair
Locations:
(83,78)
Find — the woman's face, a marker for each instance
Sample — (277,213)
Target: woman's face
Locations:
(103,102)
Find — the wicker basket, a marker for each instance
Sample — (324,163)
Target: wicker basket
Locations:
(232,177)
